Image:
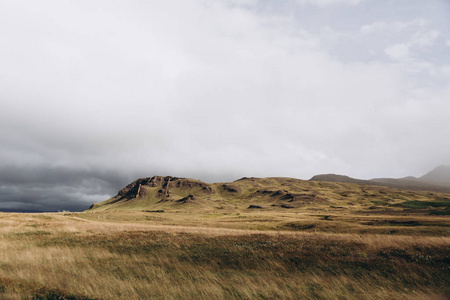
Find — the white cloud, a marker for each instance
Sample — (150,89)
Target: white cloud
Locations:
(387,27)
(203,89)
(327,3)
(398,52)
(402,40)
(425,39)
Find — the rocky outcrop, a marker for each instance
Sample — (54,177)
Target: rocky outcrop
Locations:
(232,188)
(165,184)
(186,199)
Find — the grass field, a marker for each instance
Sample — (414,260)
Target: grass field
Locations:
(244,254)
(270,238)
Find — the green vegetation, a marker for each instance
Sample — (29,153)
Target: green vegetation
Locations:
(423,204)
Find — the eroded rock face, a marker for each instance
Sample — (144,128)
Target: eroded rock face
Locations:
(187,199)
(165,184)
(254,207)
(231,188)
(303,198)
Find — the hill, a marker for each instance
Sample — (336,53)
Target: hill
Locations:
(437,180)
(440,175)
(172,237)
(167,193)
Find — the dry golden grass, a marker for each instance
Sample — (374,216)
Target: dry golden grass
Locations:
(309,240)
(111,256)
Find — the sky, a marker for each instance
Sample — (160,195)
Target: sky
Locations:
(95,94)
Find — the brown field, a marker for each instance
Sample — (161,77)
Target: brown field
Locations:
(240,254)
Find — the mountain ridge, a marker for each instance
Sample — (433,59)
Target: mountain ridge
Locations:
(438,174)
(437,179)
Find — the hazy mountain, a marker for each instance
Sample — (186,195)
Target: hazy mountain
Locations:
(339,178)
(436,180)
(438,174)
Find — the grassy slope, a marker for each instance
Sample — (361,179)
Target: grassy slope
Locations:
(346,242)
(282,194)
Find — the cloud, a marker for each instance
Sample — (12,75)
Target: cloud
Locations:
(43,188)
(210,90)
(398,52)
(402,51)
(425,39)
(397,26)
(403,40)
(327,3)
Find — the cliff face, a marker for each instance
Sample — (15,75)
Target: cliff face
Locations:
(163,184)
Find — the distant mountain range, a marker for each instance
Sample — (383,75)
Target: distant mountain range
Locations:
(437,180)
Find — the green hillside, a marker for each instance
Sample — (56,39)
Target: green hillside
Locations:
(169,193)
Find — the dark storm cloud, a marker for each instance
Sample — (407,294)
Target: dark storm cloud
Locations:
(94,94)
(34,176)
(53,189)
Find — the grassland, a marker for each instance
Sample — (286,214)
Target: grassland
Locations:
(346,242)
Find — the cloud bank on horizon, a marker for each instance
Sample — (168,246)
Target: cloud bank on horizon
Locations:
(94,94)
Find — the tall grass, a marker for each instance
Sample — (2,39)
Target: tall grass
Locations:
(64,257)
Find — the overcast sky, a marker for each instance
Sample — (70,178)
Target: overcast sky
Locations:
(94,94)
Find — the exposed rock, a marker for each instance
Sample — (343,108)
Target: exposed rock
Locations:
(286,206)
(186,199)
(231,188)
(254,206)
(265,191)
(207,189)
(280,193)
(288,197)
(138,188)
(304,198)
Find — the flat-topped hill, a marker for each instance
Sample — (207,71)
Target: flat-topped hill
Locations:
(160,193)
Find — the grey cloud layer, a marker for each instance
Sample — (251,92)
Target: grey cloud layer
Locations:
(41,188)
(96,94)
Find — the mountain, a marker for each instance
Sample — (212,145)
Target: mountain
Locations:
(439,174)
(436,180)
(161,192)
(339,178)
(323,192)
